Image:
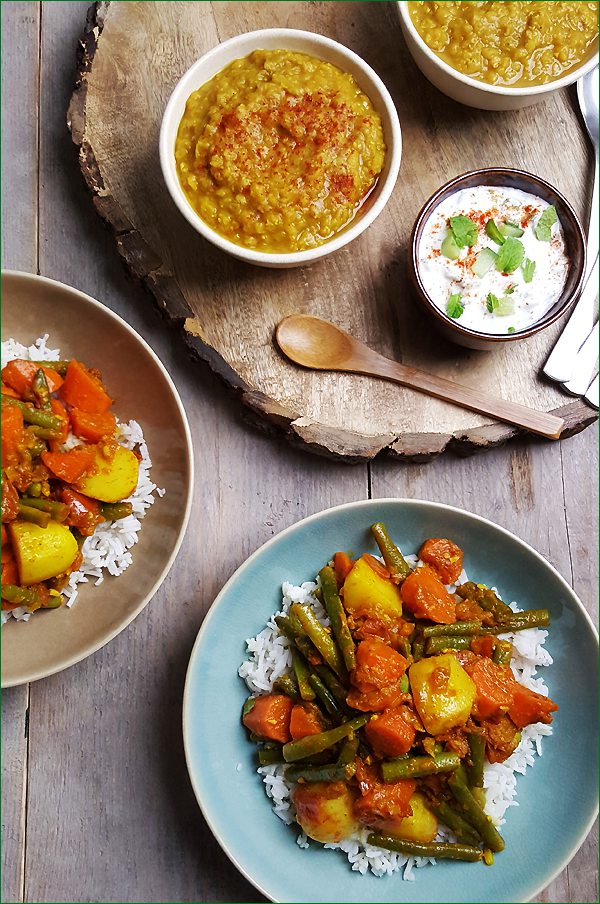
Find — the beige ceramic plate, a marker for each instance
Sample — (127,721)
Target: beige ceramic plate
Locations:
(53,640)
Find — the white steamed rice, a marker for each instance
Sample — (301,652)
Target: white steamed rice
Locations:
(270,657)
(107,550)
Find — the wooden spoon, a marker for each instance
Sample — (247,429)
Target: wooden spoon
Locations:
(321,345)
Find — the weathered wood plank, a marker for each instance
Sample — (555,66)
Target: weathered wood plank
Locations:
(521,489)
(112,771)
(20,56)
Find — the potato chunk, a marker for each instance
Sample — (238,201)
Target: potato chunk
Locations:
(42,552)
(324,810)
(442,691)
(114,475)
(368,593)
(421,826)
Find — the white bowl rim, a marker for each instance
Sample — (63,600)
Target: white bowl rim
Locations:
(356,505)
(502,90)
(94,647)
(343,238)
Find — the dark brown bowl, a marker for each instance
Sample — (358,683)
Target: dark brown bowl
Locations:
(574,242)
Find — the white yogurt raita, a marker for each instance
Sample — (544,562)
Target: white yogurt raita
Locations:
(495,301)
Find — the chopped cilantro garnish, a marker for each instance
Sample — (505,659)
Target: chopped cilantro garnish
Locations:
(492,302)
(454,307)
(543,229)
(510,255)
(464,231)
(511,329)
(494,233)
(528,268)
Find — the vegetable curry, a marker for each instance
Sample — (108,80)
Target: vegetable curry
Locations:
(388,715)
(63,474)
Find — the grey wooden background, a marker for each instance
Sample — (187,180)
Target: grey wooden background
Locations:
(96,803)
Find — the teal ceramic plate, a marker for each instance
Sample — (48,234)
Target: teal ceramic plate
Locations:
(558,797)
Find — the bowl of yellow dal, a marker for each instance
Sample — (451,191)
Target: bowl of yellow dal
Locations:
(280,146)
(498,55)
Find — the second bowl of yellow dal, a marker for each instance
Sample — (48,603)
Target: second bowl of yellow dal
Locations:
(501,55)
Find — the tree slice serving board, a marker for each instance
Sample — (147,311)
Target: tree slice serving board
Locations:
(132,55)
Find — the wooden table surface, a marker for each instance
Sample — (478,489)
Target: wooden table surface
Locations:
(97,805)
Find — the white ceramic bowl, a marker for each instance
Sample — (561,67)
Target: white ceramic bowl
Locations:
(470,91)
(317,46)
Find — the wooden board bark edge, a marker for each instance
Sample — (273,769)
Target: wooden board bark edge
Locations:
(266,413)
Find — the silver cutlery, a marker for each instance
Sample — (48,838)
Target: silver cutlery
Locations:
(560,364)
(585,365)
(591,395)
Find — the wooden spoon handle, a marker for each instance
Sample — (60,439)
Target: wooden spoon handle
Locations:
(536,421)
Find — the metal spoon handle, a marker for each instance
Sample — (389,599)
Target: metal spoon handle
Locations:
(373,364)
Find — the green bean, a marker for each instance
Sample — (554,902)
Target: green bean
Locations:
(58,511)
(477,757)
(33,515)
(114,511)
(34,489)
(403,647)
(395,562)
(503,652)
(43,432)
(305,747)
(337,617)
(41,391)
(485,598)
(458,628)
(438,849)
(286,684)
(325,696)
(441,642)
(348,751)
(321,638)
(405,684)
(474,813)
(461,828)
(332,683)
(36,449)
(59,366)
(32,415)
(418,649)
(267,756)
(290,629)
(417,766)
(331,772)
(21,595)
(530,618)
(302,673)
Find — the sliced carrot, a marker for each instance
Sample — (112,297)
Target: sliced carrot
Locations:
(82,389)
(342,564)
(528,707)
(484,645)
(495,686)
(390,734)
(306,719)
(5,539)
(93,427)
(379,801)
(377,665)
(9,391)
(269,717)
(444,556)
(70,466)
(376,565)
(13,433)
(19,374)
(424,594)
(84,513)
